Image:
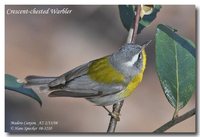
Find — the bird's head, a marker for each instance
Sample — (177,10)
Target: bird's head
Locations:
(130,54)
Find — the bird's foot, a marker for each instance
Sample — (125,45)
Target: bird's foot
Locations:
(114,114)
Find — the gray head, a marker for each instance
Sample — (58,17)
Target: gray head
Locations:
(129,53)
(128,58)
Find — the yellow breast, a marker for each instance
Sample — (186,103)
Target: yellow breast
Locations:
(136,80)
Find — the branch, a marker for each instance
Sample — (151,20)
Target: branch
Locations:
(113,122)
(175,121)
(130,39)
(136,24)
(130,35)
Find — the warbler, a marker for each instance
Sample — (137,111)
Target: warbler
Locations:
(103,81)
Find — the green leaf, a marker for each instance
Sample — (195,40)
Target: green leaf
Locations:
(12,84)
(11,81)
(127,16)
(175,64)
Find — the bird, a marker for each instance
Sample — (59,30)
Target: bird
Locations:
(104,81)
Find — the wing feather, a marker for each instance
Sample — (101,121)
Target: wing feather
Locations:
(82,81)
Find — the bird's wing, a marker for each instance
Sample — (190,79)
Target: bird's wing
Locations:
(70,75)
(96,78)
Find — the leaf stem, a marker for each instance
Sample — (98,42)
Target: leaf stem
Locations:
(136,24)
(175,121)
(175,115)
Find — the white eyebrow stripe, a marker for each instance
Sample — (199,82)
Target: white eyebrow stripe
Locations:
(132,61)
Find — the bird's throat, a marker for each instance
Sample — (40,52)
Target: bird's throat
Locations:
(136,80)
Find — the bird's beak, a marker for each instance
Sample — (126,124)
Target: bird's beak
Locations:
(146,44)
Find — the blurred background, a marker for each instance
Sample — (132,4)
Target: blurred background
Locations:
(50,45)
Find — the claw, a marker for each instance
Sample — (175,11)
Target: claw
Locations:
(115,115)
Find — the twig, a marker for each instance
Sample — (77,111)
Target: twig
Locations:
(130,35)
(136,23)
(113,122)
(175,121)
(131,39)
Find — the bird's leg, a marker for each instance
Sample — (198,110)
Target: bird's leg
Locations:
(114,114)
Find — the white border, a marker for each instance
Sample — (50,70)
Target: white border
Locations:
(94,2)
(2,60)
(72,2)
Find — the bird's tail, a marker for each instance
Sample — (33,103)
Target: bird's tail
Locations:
(38,82)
